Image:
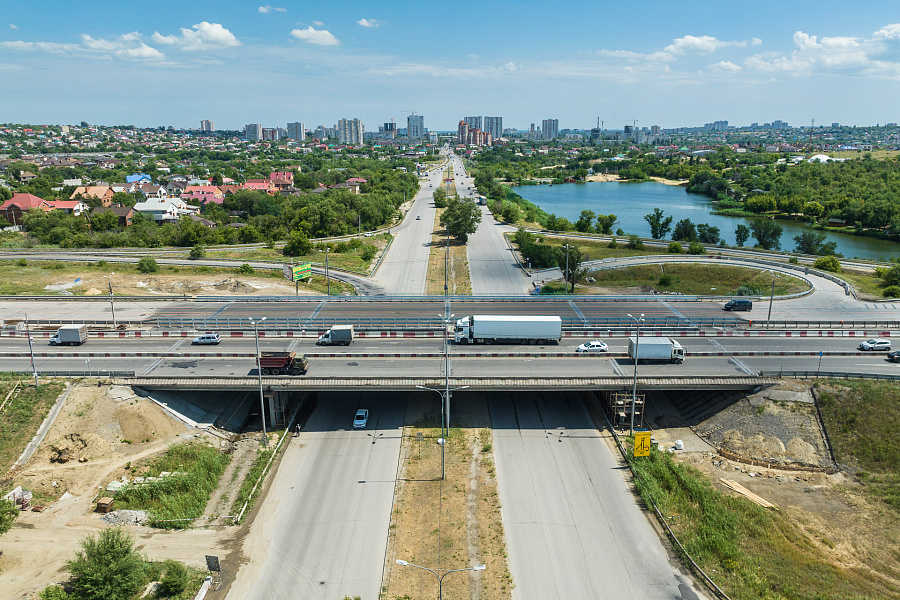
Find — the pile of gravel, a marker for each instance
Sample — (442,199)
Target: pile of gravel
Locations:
(126,517)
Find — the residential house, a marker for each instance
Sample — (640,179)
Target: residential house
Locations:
(125,213)
(139,178)
(103,193)
(73,207)
(14,208)
(353,188)
(205,222)
(229,190)
(26,176)
(281,179)
(174,187)
(260,185)
(153,191)
(165,210)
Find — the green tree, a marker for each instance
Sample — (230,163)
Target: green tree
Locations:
(708,234)
(461,218)
(148,264)
(605,223)
(828,263)
(9,512)
(585,221)
(217,179)
(813,209)
(767,233)
(175,578)
(298,244)
(107,567)
(510,213)
(659,224)
(198,251)
(440,198)
(813,242)
(54,592)
(635,242)
(696,248)
(104,221)
(761,204)
(741,235)
(684,231)
(570,263)
(674,248)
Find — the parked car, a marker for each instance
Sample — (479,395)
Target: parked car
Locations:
(738,304)
(593,346)
(361,419)
(875,344)
(894,356)
(205,339)
(368,234)
(418,217)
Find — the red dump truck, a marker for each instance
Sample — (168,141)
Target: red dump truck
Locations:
(283,363)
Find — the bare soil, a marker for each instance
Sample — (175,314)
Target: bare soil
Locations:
(96,425)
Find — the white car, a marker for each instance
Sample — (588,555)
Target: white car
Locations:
(206,339)
(875,344)
(593,346)
(361,419)
(368,234)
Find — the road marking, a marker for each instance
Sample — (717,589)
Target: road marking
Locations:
(716,343)
(740,365)
(677,314)
(581,316)
(152,366)
(315,312)
(615,366)
(175,346)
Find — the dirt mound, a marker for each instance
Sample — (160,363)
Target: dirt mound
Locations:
(234,286)
(173,286)
(93,292)
(144,421)
(80,447)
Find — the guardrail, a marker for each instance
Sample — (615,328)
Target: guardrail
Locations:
(92,373)
(828,375)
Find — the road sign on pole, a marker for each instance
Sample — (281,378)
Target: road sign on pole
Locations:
(641,443)
(301,271)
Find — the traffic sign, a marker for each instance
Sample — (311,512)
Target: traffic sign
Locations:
(641,443)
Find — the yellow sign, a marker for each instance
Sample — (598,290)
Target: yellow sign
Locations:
(302,271)
(641,443)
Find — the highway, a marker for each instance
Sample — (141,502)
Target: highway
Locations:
(321,529)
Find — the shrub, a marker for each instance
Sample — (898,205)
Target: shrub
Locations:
(892,291)
(102,264)
(148,264)
(635,242)
(54,592)
(198,251)
(828,263)
(665,280)
(674,248)
(368,252)
(175,579)
(794,260)
(246,269)
(696,248)
(613,243)
(22,262)
(107,567)
(749,290)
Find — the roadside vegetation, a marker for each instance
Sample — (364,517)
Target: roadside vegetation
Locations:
(24,408)
(173,501)
(758,553)
(699,279)
(457,277)
(255,475)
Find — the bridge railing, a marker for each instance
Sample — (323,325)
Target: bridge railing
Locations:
(828,375)
(91,373)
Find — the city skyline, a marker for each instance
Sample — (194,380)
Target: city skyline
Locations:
(234,63)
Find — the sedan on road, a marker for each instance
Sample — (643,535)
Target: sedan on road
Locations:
(875,344)
(894,356)
(361,419)
(593,346)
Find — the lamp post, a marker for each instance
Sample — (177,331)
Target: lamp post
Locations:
(262,405)
(31,350)
(111,305)
(327,281)
(771,299)
(637,341)
(566,274)
(88,361)
(434,572)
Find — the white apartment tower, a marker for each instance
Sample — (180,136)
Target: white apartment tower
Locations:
(473,122)
(207,125)
(296,131)
(549,129)
(350,131)
(415,127)
(494,126)
(253,132)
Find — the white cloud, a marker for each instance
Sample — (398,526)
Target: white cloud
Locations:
(127,47)
(141,52)
(202,36)
(268,9)
(889,32)
(318,23)
(41,46)
(11,26)
(369,23)
(725,66)
(319,37)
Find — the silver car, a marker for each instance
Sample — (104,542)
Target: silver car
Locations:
(593,346)
(875,344)
(361,419)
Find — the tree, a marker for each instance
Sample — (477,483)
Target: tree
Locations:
(767,233)
(107,567)
(761,204)
(813,242)
(148,264)
(585,221)
(198,251)
(461,218)
(696,248)
(659,225)
(9,512)
(104,221)
(510,212)
(741,235)
(175,579)
(674,248)
(708,234)
(605,223)
(635,242)
(684,231)
(828,263)
(440,198)
(217,179)
(298,244)
(570,261)
(813,210)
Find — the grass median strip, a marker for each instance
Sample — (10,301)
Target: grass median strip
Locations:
(457,277)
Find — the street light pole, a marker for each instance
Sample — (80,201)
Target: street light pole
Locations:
(771,299)
(112,306)
(566,276)
(404,563)
(327,281)
(31,350)
(262,404)
(637,342)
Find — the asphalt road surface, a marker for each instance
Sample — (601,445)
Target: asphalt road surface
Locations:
(573,527)
(322,528)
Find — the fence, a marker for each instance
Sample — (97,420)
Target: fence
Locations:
(828,375)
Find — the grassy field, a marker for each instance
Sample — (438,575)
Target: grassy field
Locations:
(22,414)
(876,154)
(865,284)
(458,281)
(182,496)
(697,279)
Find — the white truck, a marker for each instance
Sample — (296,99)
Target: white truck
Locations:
(338,335)
(492,329)
(656,349)
(69,335)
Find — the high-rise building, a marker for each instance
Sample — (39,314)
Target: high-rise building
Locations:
(473,122)
(390,130)
(350,131)
(415,126)
(550,128)
(494,126)
(296,131)
(269,134)
(206,125)
(253,132)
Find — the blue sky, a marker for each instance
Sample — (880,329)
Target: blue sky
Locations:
(660,62)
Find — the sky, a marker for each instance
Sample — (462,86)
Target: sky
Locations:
(649,62)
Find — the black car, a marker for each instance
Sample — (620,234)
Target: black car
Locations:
(894,356)
(738,304)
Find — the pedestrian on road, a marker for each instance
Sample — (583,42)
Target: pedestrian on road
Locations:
(298,430)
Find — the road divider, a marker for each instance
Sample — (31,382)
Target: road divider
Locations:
(457,356)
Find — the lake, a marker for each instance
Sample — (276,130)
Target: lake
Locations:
(631,201)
